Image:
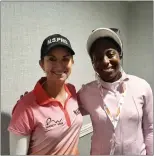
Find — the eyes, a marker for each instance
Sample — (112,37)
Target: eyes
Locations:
(107,54)
(64,59)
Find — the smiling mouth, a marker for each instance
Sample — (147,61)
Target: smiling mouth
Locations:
(58,73)
(110,69)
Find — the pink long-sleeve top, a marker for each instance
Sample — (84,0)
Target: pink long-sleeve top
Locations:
(134,131)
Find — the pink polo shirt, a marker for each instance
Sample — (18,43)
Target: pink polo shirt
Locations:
(54,129)
(134,131)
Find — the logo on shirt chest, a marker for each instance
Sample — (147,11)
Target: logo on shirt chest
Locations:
(52,123)
(77,111)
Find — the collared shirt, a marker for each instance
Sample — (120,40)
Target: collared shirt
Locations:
(134,131)
(54,129)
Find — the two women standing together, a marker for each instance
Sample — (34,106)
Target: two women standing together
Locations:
(47,120)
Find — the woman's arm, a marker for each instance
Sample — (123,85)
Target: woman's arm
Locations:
(20,128)
(148,120)
(19,144)
(80,103)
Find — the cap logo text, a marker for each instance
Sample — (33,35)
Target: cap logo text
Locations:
(57,40)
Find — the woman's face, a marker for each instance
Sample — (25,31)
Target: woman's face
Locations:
(57,64)
(106,60)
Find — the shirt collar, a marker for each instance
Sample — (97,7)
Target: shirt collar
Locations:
(42,97)
(113,86)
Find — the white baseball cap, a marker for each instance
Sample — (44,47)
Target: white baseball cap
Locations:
(103,32)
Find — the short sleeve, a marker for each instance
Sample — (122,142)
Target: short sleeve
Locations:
(22,121)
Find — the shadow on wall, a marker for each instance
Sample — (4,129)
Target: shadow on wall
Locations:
(5,119)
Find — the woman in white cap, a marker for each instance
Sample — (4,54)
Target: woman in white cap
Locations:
(120,105)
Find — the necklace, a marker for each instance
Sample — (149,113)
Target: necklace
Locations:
(114,120)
